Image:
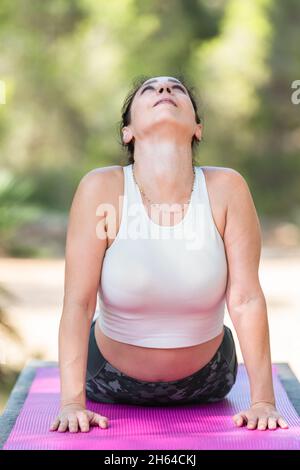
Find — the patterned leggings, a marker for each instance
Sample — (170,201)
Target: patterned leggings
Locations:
(106,384)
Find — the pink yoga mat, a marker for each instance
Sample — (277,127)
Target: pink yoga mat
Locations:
(181,427)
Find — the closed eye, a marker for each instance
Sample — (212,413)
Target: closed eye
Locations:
(180,87)
(146,88)
(174,86)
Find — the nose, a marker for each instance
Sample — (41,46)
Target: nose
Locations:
(161,89)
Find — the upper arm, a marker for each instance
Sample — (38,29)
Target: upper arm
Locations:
(86,241)
(242,239)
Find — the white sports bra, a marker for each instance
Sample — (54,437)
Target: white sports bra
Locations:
(164,286)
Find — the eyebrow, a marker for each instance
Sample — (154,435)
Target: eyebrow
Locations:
(154,80)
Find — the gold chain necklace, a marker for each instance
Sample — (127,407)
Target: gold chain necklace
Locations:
(159,204)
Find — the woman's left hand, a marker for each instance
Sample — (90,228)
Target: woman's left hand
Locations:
(261,416)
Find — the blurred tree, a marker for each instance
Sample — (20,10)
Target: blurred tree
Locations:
(68,65)
(14,207)
(273,164)
(246,74)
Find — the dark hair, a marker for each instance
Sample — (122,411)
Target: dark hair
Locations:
(126,112)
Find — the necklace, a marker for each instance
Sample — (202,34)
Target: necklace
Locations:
(159,204)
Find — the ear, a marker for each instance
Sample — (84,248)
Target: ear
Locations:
(127,135)
(198,131)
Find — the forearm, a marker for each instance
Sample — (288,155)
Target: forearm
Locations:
(251,324)
(73,348)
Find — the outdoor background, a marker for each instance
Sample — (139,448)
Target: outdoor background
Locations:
(66,67)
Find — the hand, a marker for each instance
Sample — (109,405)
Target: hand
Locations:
(77,417)
(262,415)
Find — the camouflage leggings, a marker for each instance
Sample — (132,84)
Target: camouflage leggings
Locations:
(106,384)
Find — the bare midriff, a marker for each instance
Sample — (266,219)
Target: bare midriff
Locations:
(156,364)
(159,364)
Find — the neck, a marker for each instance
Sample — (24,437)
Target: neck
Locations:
(164,174)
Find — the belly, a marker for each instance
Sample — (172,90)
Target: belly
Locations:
(155,364)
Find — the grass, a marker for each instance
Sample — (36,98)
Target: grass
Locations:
(8,378)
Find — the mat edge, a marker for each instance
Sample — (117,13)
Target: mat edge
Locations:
(18,396)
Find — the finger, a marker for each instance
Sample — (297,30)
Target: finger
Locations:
(282,423)
(73,424)
(272,423)
(99,420)
(55,424)
(83,421)
(239,419)
(252,422)
(262,423)
(63,425)
(96,419)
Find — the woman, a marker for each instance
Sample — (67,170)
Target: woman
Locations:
(183,240)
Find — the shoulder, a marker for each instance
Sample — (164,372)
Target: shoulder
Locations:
(97,185)
(223,174)
(226,181)
(105,174)
(102,180)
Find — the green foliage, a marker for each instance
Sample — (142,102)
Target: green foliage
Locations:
(68,65)
(14,208)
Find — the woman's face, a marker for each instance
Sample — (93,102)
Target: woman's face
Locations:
(147,114)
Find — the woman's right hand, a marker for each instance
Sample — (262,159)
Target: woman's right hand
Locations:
(76,418)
